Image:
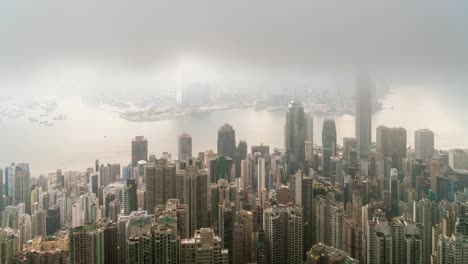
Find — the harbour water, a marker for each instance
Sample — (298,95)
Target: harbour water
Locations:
(90,132)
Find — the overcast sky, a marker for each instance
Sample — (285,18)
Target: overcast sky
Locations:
(85,43)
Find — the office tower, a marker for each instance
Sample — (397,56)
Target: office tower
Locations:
(52,220)
(391,144)
(241,154)
(203,248)
(86,245)
(363,118)
(309,131)
(192,190)
(458,159)
(9,245)
(21,191)
(295,137)
(221,168)
(245,220)
(130,197)
(9,182)
(349,144)
(247,175)
(309,152)
(321,253)
(261,175)
(262,149)
(109,174)
(242,149)
(328,145)
(139,150)
(166,240)
(227,141)
(423,144)
(283,234)
(185,147)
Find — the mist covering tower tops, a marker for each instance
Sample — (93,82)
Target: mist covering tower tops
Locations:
(363,117)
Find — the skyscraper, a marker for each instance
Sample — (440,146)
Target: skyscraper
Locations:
(363,118)
(21,189)
(130,197)
(185,147)
(139,150)
(328,145)
(295,137)
(391,144)
(423,144)
(226,141)
(261,175)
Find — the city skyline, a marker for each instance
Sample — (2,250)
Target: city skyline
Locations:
(234,132)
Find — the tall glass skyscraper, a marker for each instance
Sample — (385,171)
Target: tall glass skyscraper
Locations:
(295,137)
(363,118)
(139,150)
(226,141)
(328,145)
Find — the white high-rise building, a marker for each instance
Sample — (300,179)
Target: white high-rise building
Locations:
(458,159)
(246,174)
(261,175)
(77,216)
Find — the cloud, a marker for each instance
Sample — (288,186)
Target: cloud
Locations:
(401,37)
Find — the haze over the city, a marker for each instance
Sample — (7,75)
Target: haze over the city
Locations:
(52,47)
(233,132)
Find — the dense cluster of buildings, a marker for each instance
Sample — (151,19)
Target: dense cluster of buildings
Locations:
(337,202)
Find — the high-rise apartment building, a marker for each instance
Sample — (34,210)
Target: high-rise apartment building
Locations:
(283,234)
(192,190)
(203,248)
(160,182)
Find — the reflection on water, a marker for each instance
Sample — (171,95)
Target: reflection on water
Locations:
(90,133)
